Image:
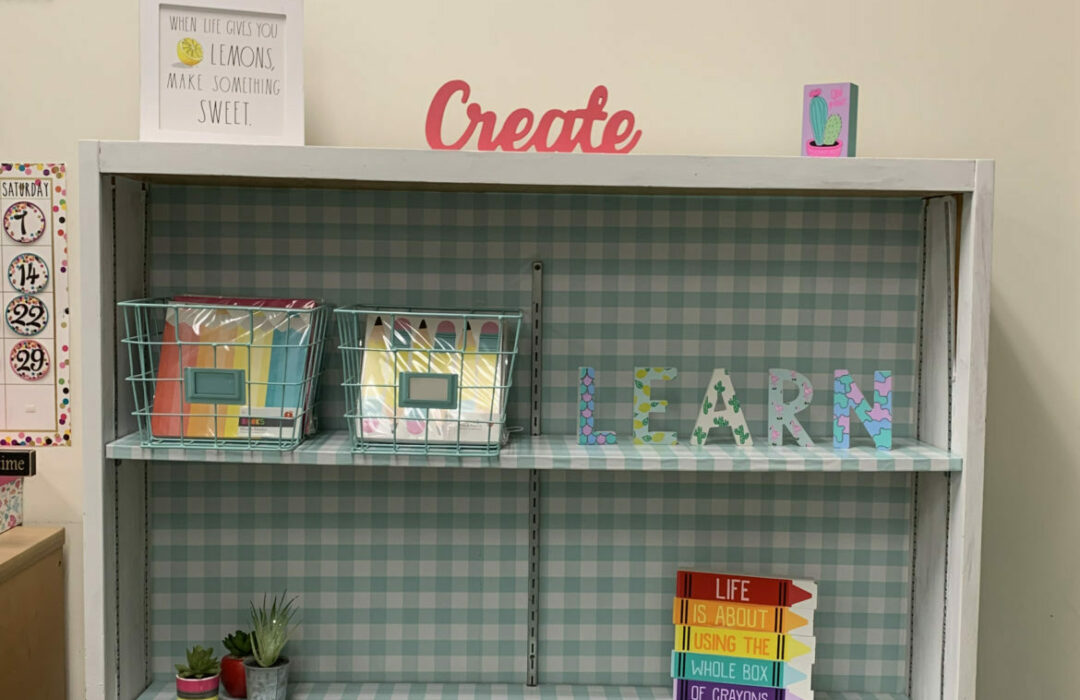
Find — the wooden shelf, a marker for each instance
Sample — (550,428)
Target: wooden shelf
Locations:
(166,690)
(562,452)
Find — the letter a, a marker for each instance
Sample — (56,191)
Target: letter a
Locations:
(847,399)
(587,433)
(721,409)
(644,405)
(782,415)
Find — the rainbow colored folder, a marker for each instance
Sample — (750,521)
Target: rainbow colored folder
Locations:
(266,342)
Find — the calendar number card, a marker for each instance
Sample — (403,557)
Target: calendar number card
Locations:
(35,395)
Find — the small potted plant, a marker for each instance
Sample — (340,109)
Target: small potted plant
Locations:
(200,677)
(826,128)
(232,665)
(267,671)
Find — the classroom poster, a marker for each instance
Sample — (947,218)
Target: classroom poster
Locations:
(35,393)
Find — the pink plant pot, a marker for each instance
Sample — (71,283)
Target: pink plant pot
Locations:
(197,688)
(833,151)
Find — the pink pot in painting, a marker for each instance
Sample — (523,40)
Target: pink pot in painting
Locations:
(816,151)
(200,688)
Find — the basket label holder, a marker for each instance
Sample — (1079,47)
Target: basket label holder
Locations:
(217,386)
(427,390)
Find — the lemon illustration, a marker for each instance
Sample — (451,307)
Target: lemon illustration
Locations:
(189,51)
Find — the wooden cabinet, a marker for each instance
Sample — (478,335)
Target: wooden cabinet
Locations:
(32,659)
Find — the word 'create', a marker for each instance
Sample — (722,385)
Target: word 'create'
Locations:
(556,130)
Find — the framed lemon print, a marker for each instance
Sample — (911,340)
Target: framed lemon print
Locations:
(222,71)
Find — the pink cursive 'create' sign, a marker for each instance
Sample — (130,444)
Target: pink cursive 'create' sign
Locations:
(555,131)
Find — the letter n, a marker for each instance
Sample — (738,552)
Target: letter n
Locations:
(848,400)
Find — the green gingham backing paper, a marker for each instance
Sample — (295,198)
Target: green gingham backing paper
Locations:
(612,543)
(692,282)
(402,575)
(745,283)
(420,575)
(166,690)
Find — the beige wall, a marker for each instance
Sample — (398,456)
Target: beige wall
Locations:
(948,78)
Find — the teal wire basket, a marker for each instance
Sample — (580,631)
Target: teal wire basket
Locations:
(224,374)
(421,381)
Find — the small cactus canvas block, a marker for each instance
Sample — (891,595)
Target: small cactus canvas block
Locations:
(830,116)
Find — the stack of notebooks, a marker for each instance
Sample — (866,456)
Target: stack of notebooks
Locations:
(266,342)
(743,637)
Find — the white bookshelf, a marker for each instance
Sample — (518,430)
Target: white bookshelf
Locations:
(946,457)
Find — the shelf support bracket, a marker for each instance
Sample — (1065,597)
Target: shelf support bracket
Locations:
(536,324)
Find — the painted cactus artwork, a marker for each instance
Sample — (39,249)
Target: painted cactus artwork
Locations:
(830,114)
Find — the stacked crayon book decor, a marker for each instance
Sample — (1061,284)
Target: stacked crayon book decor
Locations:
(224,372)
(742,637)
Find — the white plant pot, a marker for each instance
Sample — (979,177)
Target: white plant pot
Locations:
(267,683)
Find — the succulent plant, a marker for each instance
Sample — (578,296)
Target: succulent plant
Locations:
(272,629)
(201,663)
(238,643)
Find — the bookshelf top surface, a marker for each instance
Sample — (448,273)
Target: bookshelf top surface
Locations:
(320,166)
(562,452)
(166,690)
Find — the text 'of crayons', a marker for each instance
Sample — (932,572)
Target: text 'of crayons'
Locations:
(722,410)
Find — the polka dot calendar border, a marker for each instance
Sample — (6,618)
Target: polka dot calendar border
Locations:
(61,316)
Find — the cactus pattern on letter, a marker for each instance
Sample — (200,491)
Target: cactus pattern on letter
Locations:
(644,405)
(782,415)
(877,419)
(721,409)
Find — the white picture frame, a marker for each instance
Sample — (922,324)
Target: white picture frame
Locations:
(248,86)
